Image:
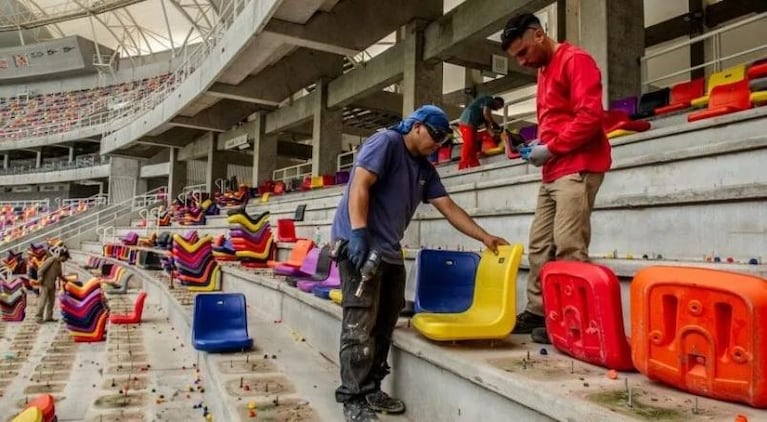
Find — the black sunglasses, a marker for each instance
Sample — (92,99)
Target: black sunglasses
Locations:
(439,136)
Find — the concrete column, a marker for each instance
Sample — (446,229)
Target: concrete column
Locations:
(421,81)
(6,160)
(264,151)
(176,175)
(326,134)
(216,167)
(71,154)
(39,160)
(613,32)
(123,179)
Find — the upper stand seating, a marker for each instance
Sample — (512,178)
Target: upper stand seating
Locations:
(650,101)
(618,122)
(757,74)
(725,77)
(492,313)
(725,99)
(681,96)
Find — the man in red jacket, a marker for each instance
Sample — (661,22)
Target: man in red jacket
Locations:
(571,147)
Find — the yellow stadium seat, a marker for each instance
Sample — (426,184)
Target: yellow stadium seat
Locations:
(619,132)
(493,312)
(317,182)
(759,98)
(192,247)
(31,414)
(244,222)
(336,296)
(727,76)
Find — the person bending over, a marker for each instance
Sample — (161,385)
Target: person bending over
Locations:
(479,113)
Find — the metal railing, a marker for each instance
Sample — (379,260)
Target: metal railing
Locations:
(286,173)
(23,204)
(150,198)
(62,205)
(716,62)
(137,101)
(95,200)
(80,162)
(190,190)
(90,222)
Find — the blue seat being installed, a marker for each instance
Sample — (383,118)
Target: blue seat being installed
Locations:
(220,323)
(445,280)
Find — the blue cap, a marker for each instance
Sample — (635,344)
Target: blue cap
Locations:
(432,115)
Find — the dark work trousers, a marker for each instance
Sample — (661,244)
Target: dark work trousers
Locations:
(368,323)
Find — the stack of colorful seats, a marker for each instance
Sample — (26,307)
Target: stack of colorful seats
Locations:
(85,311)
(36,254)
(223,249)
(13,300)
(251,237)
(194,263)
(234,199)
(15,263)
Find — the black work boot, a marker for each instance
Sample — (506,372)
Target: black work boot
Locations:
(382,402)
(540,335)
(357,410)
(527,322)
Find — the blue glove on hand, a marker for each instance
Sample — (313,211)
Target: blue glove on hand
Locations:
(358,248)
(538,155)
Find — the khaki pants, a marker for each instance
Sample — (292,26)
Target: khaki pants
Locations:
(561,227)
(45,303)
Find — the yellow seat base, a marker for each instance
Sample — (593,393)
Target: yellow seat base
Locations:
(31,414)
(463,326)
(700,102)
(336,296)
(759,98)
(619,132)
(492,314)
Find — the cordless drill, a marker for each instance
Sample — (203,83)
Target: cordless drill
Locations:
(368,270)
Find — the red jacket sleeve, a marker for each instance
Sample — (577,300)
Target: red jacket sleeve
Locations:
(586,97)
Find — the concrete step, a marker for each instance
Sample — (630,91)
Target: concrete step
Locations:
(309,376)
(92,246)
(673,133)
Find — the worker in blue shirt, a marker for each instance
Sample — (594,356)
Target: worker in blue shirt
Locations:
(390,178)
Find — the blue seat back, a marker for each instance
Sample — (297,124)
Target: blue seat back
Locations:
(445,280)
(220,316)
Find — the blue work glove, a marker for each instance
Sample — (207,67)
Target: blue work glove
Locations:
(358,248)
(537,155)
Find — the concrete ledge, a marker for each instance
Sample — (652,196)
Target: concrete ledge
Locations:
(82,173)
